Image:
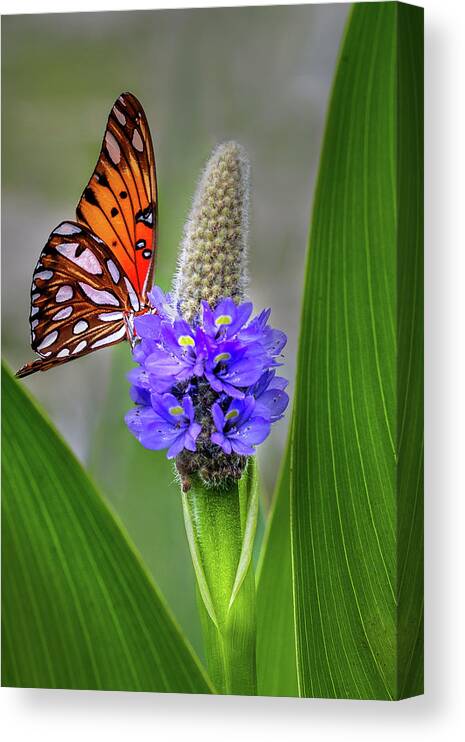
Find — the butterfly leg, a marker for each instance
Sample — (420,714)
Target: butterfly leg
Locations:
(130,329)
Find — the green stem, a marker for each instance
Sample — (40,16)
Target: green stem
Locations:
(220,526)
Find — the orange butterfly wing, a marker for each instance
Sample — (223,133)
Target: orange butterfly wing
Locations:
(120,201)
(93,275)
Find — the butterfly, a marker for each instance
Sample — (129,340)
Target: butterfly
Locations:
(93,274)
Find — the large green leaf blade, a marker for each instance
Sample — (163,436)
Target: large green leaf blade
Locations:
(348,527)
(142,488)
(79,610)
(410,355)
(276,653)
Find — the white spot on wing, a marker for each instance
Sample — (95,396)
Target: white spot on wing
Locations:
(86,260)
(64,293)
(34,323)
(63,353)
(80,326)
(114,272)
(118,335)
(110,316)
(80,346)
(34,297)
(43,275)
(132,294)
(67,228)
(48,340)
(63,314)
(99,296)
(34,311)
(137,142)
(119,115)
(113,149)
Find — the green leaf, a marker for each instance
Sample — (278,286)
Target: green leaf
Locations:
(276,654)
(220,527)
(356,478)
(141,487)
(78,608)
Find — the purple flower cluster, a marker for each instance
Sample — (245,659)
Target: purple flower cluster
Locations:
(214,378)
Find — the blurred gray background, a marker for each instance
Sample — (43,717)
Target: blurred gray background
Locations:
(261,76)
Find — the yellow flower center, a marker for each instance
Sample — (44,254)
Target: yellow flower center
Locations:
(222,357)
(185,340)
(223,319)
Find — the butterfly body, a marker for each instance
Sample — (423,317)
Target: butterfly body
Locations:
(93,274)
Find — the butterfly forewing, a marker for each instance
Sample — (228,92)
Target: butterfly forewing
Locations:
(120,201)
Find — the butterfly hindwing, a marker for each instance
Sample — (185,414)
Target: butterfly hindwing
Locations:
(120,201)
(80,296)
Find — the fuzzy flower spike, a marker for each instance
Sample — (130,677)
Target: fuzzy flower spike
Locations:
(206,386)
